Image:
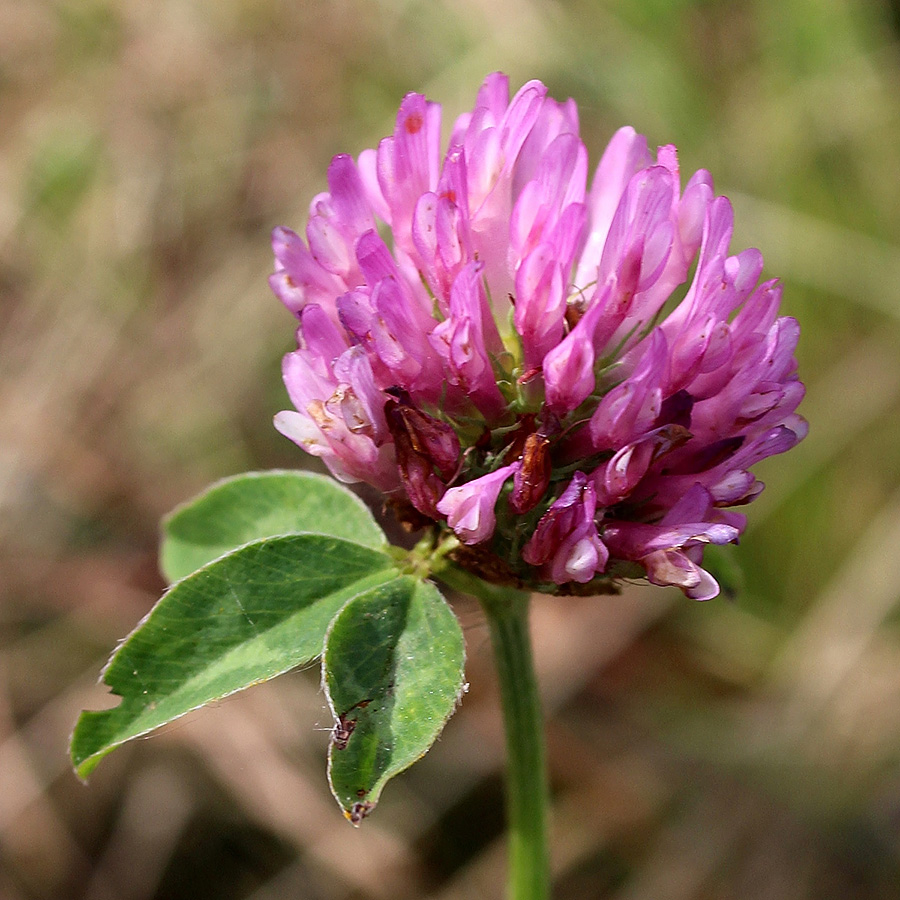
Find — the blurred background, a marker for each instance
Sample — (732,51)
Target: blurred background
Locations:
(744,748)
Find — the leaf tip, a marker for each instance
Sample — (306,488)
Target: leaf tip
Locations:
(358,811)
(83,760)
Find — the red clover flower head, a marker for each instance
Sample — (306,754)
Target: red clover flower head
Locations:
(500,348)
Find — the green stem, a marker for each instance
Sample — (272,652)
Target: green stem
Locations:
(526,782)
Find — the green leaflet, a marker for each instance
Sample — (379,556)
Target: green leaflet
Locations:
(393,671)
(242,619)
(257,505)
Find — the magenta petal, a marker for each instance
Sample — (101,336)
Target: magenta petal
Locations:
(580,560)
(670,567)
(298,278)
(409,161)
(569,366)
(693,506)
(467,339)
(327,244)
(540,304)
(348,196)
(485,305)
(470,508)
(631,407)
(437,227)
(354,369)
(645,206)
(565,544)
(625,155)
(633,540)
(320,336)
(367,165)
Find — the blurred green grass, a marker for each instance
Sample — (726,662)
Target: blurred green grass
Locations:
(743,748)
